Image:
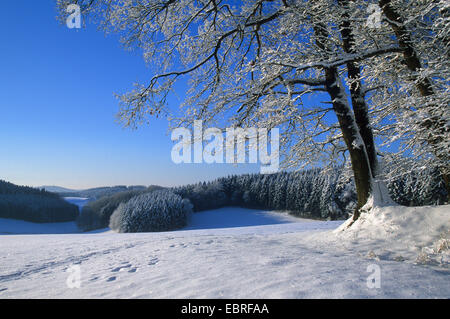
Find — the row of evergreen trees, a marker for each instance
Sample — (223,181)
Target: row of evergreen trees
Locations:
(307,193)
(34,205)
(312,193)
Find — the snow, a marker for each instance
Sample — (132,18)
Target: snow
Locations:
(300,259)
(414,234)
(238,217)
(380,196)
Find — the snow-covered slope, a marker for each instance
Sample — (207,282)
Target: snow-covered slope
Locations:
(305,259)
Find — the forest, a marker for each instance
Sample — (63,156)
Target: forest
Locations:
(34,205)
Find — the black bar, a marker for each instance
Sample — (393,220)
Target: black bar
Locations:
(222,308)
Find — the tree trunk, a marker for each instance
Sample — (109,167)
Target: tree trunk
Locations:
(350,130)
(353,140)
(360,108)
(424,85)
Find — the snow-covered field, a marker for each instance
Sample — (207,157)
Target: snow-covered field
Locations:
(254,255)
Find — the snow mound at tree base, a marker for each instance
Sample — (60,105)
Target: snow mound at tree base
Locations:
(415,234)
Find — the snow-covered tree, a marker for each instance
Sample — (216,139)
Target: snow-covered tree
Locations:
(160,210)
(255,62)
(408,91)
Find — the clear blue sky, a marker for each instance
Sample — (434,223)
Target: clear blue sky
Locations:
(57,120)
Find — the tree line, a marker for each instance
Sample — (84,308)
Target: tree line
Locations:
(314,193)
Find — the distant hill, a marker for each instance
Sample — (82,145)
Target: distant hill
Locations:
(57,189)
(96,193)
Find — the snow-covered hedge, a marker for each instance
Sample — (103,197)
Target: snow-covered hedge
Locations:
(157,211)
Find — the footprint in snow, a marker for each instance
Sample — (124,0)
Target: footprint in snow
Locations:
(132,270)
(153,261)
(94,278)
(111,278)
(120,268)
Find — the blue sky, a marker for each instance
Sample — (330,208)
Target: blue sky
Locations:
(57,120)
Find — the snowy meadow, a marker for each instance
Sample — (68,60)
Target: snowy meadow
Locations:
(235,253)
